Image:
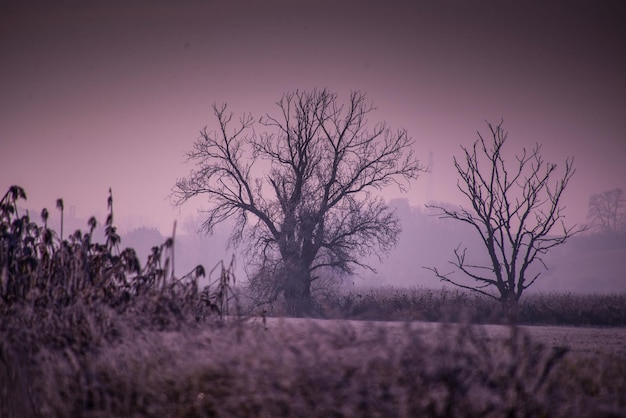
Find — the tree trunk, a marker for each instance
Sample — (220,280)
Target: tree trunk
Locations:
(510,309)
(298,289)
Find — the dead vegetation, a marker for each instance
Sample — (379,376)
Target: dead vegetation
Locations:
(86,331)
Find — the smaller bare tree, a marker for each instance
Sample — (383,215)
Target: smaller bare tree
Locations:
(515,209)
(607,211)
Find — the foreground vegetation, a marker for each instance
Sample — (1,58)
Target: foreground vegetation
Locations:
(302,369)
(86,331)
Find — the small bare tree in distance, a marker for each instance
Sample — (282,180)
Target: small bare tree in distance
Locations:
(301,191)
(515,208)
(607,211)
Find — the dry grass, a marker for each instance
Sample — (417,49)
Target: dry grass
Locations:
(313,369)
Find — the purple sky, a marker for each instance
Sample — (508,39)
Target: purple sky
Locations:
(111,94)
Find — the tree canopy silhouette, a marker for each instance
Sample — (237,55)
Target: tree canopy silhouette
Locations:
(515,207)
(607,211)
(301,189)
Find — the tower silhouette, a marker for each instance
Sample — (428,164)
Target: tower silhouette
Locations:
(430,190)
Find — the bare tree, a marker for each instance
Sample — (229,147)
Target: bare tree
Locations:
(607,211)
(515,209)
(301,191)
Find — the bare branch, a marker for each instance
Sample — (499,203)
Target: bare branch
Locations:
(313,206)
(515,209)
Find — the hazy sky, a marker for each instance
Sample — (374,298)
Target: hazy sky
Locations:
(111,94)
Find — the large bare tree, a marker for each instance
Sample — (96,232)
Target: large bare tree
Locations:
(607,211)
(515,208)
(301,190)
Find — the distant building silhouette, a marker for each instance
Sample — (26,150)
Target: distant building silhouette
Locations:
(430,189)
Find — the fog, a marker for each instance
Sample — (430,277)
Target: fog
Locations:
(588,263)
(112,94)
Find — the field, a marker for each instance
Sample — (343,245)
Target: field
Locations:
(580,341)
(456,305)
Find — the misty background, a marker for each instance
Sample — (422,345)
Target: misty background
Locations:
(112,93)
(590,262)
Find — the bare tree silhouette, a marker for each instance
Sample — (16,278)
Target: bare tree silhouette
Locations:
(607,211)
(515,208)
(301,191)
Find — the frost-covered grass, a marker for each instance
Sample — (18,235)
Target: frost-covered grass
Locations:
(85,331)
(317,368)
